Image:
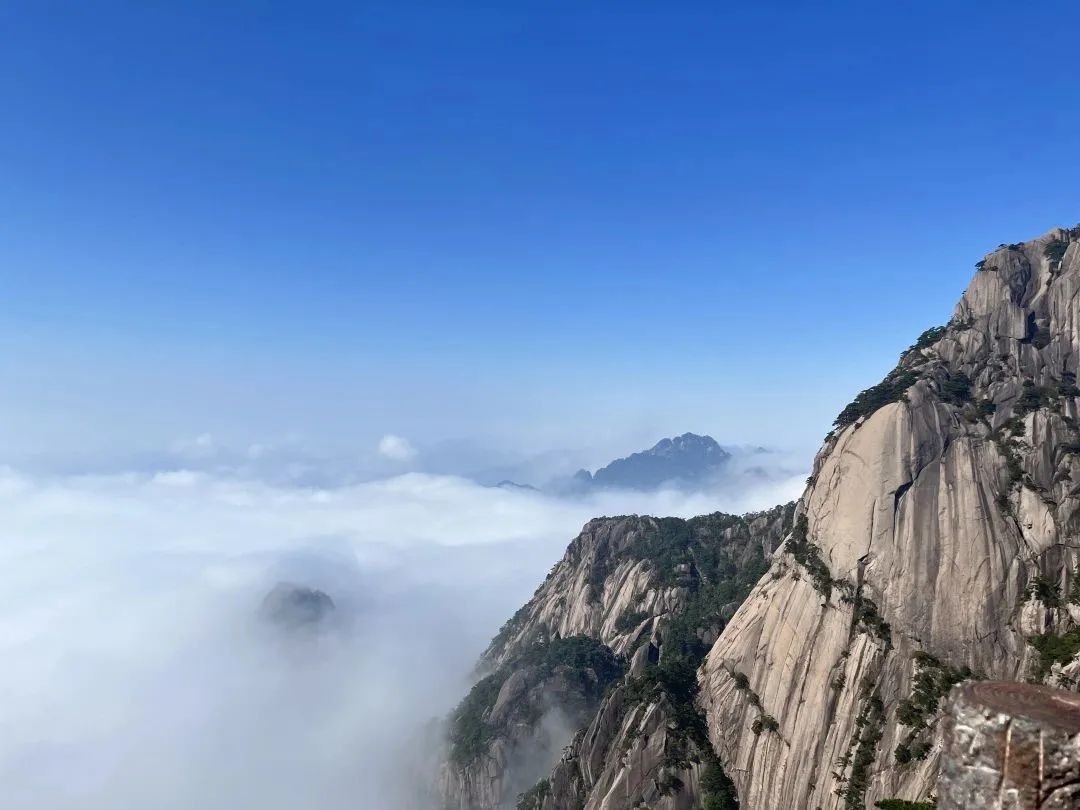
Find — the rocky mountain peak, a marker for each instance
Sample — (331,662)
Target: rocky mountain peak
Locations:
(682,460)
(935,544)
(932,544)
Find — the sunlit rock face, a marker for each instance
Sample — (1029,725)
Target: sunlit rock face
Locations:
(293,606)
(938,534)
(635,590)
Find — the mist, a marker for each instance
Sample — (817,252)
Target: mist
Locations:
(139,673)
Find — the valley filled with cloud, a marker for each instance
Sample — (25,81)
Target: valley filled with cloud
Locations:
(140,672)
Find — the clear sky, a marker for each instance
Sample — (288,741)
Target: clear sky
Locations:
(526,225)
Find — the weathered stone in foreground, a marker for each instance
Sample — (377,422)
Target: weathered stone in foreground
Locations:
(1010,746)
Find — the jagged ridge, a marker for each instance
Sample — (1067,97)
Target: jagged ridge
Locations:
(937,527)
(657,591)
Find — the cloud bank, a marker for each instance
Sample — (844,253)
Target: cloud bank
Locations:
(137,671)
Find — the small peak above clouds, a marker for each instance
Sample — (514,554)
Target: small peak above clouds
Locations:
(689,445)
(396,448)
(290,605)
(688,459)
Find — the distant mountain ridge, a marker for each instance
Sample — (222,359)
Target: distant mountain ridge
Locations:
(801,657)
(684,459)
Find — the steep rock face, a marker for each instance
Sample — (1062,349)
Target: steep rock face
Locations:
(644,748)
(937,535)
(621,575)
(514,722)
(657,592)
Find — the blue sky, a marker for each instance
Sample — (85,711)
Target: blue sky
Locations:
(523,225)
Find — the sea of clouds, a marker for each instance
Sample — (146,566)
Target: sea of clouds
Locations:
(138,673)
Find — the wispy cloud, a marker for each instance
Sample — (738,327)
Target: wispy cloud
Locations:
(396,448)
(137,673)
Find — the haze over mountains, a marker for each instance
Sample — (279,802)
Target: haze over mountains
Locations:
(349,354)
(685,460)
(787,654)
(798,657)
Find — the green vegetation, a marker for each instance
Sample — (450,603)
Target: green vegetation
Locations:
(1055,250)
(808,556)
(1045,591)
(1067,388)
(900,804)
(929,337)
(470,735)
(674,681)
(695,554)
(867,615)
(533,798)
(1033,397)
(1007,439)
(912,751)
(718,791)
(933,680)
(764,722)
(630,620)
(956,390)
(717,558)
(676,547)
(892,389)
(1054,649)
(869,728)
(718,571)
(510,626)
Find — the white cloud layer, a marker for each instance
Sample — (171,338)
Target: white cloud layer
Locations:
(136,672)
(396,448)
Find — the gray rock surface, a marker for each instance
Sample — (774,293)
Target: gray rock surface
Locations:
(1011,746)
(941,518)
(631,584)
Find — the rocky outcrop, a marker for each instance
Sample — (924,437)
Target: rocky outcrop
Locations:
(656,592)
(1011,745)
(621,576)
(515,721)
(293,606)
(937,540)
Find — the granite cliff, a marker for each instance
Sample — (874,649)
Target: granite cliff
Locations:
(650,593)
(936,542)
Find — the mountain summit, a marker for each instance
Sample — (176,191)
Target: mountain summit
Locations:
(685,459)
(935,543)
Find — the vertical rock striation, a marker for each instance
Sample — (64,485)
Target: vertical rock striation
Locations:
(654,594)
(937,540)
(1011,745)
